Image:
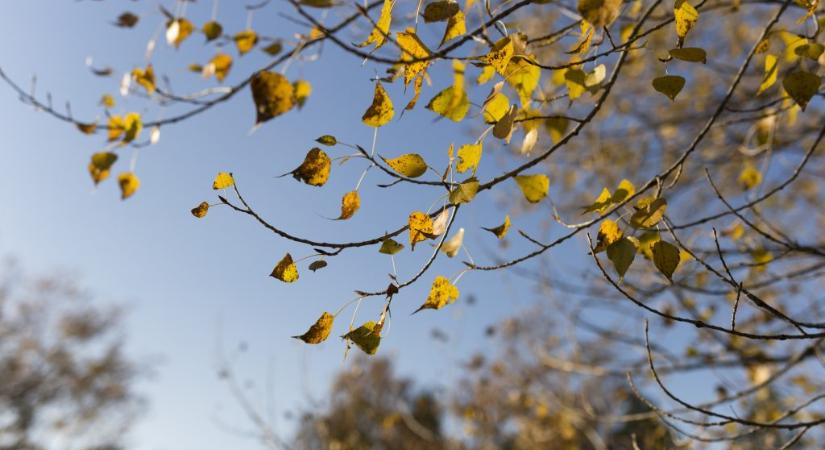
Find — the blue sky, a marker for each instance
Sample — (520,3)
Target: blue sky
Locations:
(191,284)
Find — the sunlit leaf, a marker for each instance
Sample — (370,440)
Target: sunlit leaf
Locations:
(379,33)
(129,184)
(100,165)
(273,95)
(349,205)
(223,180)
(452,102)
(327,140)
(534,187)
(609,232)
(127,20)
(523,75)
(496,107)
(648,212)
(456,26)
(599,13)
(464,192)
(315,169)
(201,210)
(145,78)
(442,293)
(132,126)
(411,165)
(285,270)
(245,41)
(319,331)
(381,111)
(686,17)
(303,89)
(501,230)
(771,70)
(218,66)
(177,30)
(451,246)
(367,337)
(749,177)
(107,101)
(469,156)
(412,49)
(500,55)
(421,228)
(576,82)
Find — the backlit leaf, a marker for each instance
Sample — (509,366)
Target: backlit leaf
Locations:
(648,212)
(666,258)
(496,107)
(451,246)
(349,205)
(285,270)
(771,70)
(314,171)
(177,30)
(223,180)
(421,228)
(523,75)
(599,13)
(145,78)
(273,95)
(534,187)
(218,66)
(749,177)
(303,89)
(500,55)
(609,232)
(411,165)
(412,49)
(319,331)
(456,26)
(381,111)
(245,41)
(442,293)
(686,17)
(382,26)
(469,156)
(100,165)
(129,184)
(464,192)
(501,230)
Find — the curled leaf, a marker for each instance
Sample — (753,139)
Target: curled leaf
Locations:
(421,227)
(245,41)
(129,184)
(285,270)
(315,168)
(349,205)
(200,210)
(501,230)
(381,111)
(367,337)
(451,246)
(100,165)
(319,331)
(390,247)
(273,95)
(317,265)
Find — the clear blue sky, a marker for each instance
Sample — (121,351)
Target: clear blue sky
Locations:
(190,285)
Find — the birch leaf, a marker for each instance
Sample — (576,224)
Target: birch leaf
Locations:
(381,111)
(442,293)
(421,228)
(349,205)
(129,184)
(319,331)
(666,258)
(410,165)
(367,337)
(285,270)
(222,181)
(273,95)
(534,187)
(315,169)
(501,230)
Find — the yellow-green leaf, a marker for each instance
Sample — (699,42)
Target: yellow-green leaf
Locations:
(390,247)
(367,337)
(621,253)
(469,156)
(500,55)
(749,177)
(464,192)
(801,86)
(501,230)
(534,187)
(648,212)
(456,26)
(319,331)
(245,41)
(666,258)
(670,85)
(314,171)
(212,30)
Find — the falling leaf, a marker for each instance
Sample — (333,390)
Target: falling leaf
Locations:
(648,212)
(219,66)
(599,13)
(314,171)
(451,246)
(127,20)
(749,177)
(442,293)
(421,228)
(670,85)
(317,265)
(319,331)
(690,54)
(200,210)
(801,86)
(666,258)
(412,49)
(501,230)
(390,247)
(500,55)
(456,27)
(534,187)
(379,34)
(129,184)
(222,181)
(212,30)
(440,10)
(177,30)
(327,140)
(285,270)
(145,78)
(464,192)
(469,156)
(771,70)
(621,253)
(349,205)
(686,17)
(273,95)
(411,165)
(380,111)
(100,164)
(367,337)
(245,41)
(303,89)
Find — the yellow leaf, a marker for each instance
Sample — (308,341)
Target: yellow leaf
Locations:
(599,13)
(380,111)
(274,48)
(421,228)
(412,49)
(556,127)
(601,203)
(212,30)
(735,232)
(534,187)
(367,337)
(100,164)
(177,30)
(771,70)
(285,270)
(223,180)
(486,74)
(319,331)
(576,81)
(129,183)
(645,243)
(621,253)
(609,232)
(624,190)
(303,89)
(116,127)
(314,171)
(801,86)
(648,213)
(417,83)
(452,102)
(500,55)
(390,247)
(132,125)
(464,192)
(792,43)
(107,101)
(670,85)
(456,27)
(750,177)
(501,230)
(523,76)
(686,17)
(411,165)
(690,54)
(440,10)
(327,139)
(469,156)
(245,41)
(349,205)
(666,258)
(219,66)
(145,78)
(451,246)
(200,210)
(442,293)
(379,34)
(273,95)
(496,107)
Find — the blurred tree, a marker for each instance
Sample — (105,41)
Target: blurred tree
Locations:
(65,382)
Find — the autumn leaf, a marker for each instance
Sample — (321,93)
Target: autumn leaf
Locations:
(666,258)
(690,54)
(771,70)
(285,270)
(349,205)
(314,171)
(599,13)
(390,247)
(576,82)
(317,265)
(303,89)
(129,184)
(273,95)
(218,66)
(200,210)
(379,33)
(107,101)
(670,85)
(127,20)
(222,181)
(421,228)
(452,102)
(621,253)
(496,107)
(469,156)
(648,212)
(381,111)
(412,49)
(686,17)
(451,246)
(100,165)
(501,230)
(177,30)
(274,48)
(456,26)
(212,30)
(411,165)
(367,337)
(523,75)
(87,128)
(327,140)
(801,86)
(534,187)
(500,55)
(145,78)
(749,177)
(319,331)
(441,10)
(442,293)
(245,41)
(464,192)
(609,232)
